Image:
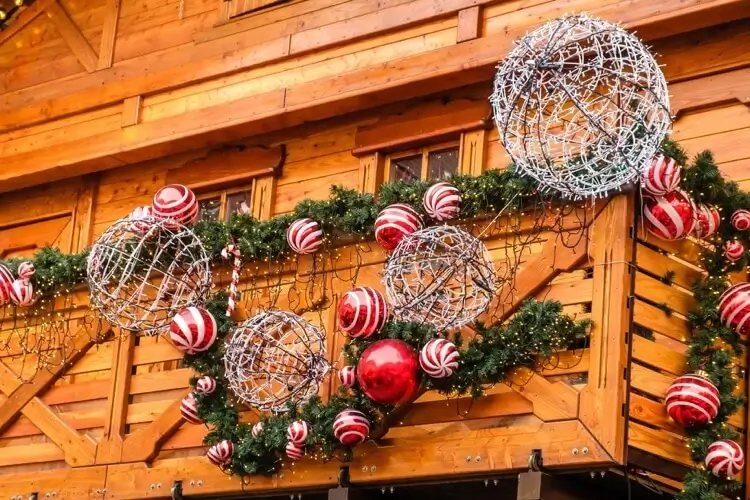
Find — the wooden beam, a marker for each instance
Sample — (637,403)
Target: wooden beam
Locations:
(469,24)
(131,111)
(23,19)
(66,483)
(72,36)
(724,88)
(109,34)
(111,443)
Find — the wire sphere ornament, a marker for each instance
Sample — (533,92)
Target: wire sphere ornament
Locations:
(440,275)
(581,106)
(139,279)
(275,358)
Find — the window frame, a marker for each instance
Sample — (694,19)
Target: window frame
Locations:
(425,153)
(223,195)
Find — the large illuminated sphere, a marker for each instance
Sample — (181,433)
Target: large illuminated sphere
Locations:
(581,106)
(388,372)
(139,280)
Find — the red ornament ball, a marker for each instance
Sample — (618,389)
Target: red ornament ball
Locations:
(257,429)
(6,284)
(189,409)
(692,401)
(304,236)
(388,372)
(707,221)
(22,293)
(205,385)
(734,308)
(441,201)
(671,216)
(662,176)
(725,458)
(176,203)
(221,453)
(26,270)
(294,451)
(138,217)
(439,358)
(347,376)
(741,220)
(193,330)
(351,427)
(393,223)
(297,432)
(362,312)
(733,250)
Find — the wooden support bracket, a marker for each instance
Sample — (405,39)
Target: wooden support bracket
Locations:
(72,36)
(111,444)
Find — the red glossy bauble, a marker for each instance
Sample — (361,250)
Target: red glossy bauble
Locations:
(388,372)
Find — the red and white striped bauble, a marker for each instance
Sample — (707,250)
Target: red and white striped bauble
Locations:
(707,221)
(189,409)
(692,401)
(193,330)
(221,453)
(205,385)
(22,293)
(393,223)
(6,284)
(294,451)
(26,270)
(662,176)
(257,429)
(347,376)
(177,203)
(138,219)
(298,431)
(671,216)
(362,312)
(351,427)
(442,202)
(439,358)
(741,219)
(725,458)
(733,250)
(304,236)
(734,308)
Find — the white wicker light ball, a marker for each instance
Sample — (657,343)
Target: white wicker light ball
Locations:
(275,358)
(138,280)
(440,275)
(581,106)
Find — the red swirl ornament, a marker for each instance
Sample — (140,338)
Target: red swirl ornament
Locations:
(351,427)
(294,451)
(297,432)
(692,401)
(442,201)
(707,221)
(439,358)
(741,219)
(189,409)
(177,204)
(205,385)
(347,376)
(725,458)
(362,312)
(6,284)
(733,250)
(669,217)
(393,223)
(221,453)
(304,236)
(734,308)
(193,330)
(662,176)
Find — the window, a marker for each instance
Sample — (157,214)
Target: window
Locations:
(220,205)
(235,8)
(435,162)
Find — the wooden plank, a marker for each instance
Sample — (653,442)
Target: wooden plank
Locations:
(23,19)
(551,401)
(68,484)
(469,24)
(72,36)
(473,152)
(724,88)
(370,172)
(658,356)
(143,445)
(657,292)
(131,111)
(111,443)
(604,396)
(659,265)
(109,34)
(659,442)
(655,319)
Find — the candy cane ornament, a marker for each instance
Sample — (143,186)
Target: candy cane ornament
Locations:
(234,251)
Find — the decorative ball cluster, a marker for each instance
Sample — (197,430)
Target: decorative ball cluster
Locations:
(19,291)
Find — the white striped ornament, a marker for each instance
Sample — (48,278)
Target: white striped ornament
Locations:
(304,236)
(734,308)
(733,250)
(26,270)
(298,431)
(725,458)
(257,429)
(193,330)
(233,251)
(671,216)
(393,223)
(22,293)
(221,453)
(662,176)
(351,427)
(692,401)
(6,284)
(707,221)
(362,311)
(294,451)
(175,204)
(347,376)
(189,409)
(439,358)
(741,219)
(139,217)
(442,201)
(205,385)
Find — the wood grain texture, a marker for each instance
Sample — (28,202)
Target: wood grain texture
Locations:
(109,34)
(469,24)
(72,36)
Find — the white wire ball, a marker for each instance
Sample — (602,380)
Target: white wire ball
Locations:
(140,274)
(581,106)
(440,275)
(274,358)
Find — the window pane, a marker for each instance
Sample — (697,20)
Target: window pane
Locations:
(406,169)
(442,164)
(237,203)
(209,209)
